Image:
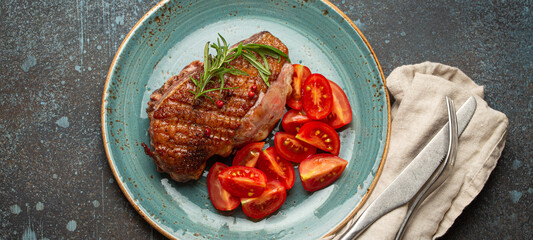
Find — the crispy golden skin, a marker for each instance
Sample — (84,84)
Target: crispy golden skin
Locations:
(185,132)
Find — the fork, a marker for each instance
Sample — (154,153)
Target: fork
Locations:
(440,174)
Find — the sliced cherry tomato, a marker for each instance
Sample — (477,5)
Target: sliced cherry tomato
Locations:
(319,171)
(221,199)
(241,181)
(276,168)
(293,120)
(317,97)
(320,135)
(271,200)
(292,149)
(248,155)
(299,76)
(341,111)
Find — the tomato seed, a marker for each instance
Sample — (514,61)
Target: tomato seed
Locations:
(327,140)
(317,132)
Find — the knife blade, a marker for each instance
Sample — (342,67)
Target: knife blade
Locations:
(413,177)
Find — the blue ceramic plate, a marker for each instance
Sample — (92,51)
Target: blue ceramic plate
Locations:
(173,34)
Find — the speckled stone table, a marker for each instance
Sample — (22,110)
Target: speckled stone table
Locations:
(55,181)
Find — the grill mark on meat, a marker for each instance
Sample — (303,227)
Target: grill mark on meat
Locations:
(201,117)
(179,132)
(178,121)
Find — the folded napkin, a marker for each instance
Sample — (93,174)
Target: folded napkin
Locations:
(418,113)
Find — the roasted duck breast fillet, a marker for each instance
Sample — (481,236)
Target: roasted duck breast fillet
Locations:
(185,132)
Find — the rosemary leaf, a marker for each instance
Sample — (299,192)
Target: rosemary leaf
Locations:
(251,58)
(265,79)
(206,58)
(217,89)
(221,79)
(274,52)
(193,80)
(215,67)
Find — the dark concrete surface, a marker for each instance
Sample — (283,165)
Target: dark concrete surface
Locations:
(55,181)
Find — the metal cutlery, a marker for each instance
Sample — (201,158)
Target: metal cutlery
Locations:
(416,179)
(446,164)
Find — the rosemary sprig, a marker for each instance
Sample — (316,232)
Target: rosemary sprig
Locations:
(218,65)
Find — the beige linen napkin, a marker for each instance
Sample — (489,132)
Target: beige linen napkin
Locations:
(417,115)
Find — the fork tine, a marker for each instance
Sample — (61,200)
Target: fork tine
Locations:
(449,160)
(453,131)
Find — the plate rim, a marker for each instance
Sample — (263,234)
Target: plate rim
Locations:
(386,148)
(154,224)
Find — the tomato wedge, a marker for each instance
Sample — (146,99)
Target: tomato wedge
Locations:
(299,76)
(276,168)
(320,135)
(241,181)
(221,199)
(319,171)
(293,120)
(317,97)
(341,111)
(271,200)
(248,155)
(292,149)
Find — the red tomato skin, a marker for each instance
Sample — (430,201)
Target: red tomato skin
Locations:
(292,149)
(271,200)
(220,198)
(241,181)
(317,97)
(276,167)
(299,76)
(317,134)
(341,110)
(293,120)
(321,170)
(248,155)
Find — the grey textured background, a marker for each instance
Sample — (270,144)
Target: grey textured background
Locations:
(55,181)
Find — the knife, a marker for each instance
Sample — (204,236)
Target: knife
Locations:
(414,176)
